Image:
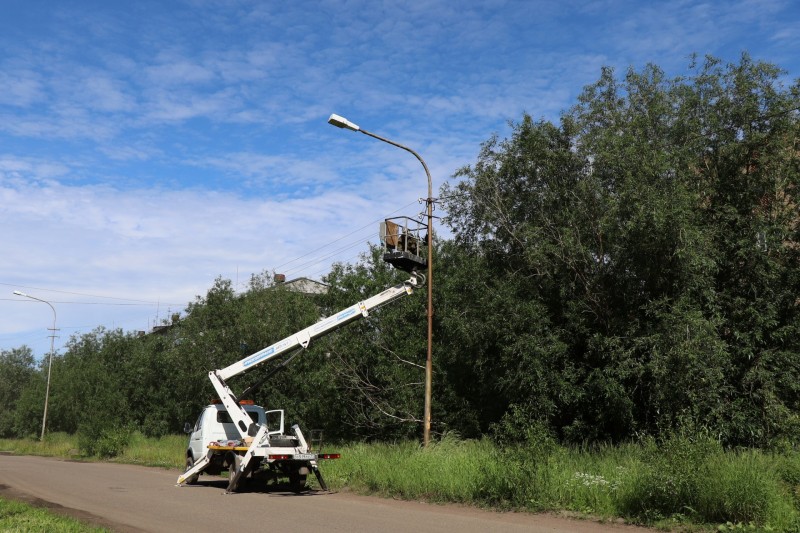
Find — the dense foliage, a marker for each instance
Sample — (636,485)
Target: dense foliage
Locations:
(641,259)
(631,270)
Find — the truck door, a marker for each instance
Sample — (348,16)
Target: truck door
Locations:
(196,445)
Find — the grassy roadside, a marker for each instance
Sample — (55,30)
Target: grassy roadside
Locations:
(683,483)
(22,517)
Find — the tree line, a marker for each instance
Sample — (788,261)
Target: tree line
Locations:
(632,269)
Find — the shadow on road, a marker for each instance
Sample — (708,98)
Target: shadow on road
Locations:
(256,487)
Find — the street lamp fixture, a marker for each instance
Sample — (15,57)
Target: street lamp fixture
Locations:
(341,122)
(50,361)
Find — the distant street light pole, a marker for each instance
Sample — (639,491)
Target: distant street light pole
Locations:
(50,362)
(341,122)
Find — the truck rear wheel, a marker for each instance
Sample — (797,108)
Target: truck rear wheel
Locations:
(191,480)
(297,482)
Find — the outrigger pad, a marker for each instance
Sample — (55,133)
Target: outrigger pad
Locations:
(405,261)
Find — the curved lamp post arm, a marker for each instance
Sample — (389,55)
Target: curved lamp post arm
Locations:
(407,149)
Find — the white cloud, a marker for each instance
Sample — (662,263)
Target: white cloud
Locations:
(105,94)
(171,71)
(20,88)
(159,245)
(144,155)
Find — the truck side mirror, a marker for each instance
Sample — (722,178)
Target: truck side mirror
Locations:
(187,428)
(252,430)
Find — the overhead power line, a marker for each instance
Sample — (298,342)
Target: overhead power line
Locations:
(351,244)
(83,294)
(148,304)
(315,258)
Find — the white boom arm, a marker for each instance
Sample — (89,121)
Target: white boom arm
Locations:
(300,339)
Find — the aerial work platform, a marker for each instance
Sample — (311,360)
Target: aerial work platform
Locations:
(404,240)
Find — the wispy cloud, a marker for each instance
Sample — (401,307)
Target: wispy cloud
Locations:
(146,151)
(157,245)
(20,87)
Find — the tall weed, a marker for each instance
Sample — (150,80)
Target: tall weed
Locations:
(167,451)
(737,487)
(595,479)
(53,445)
(669,481)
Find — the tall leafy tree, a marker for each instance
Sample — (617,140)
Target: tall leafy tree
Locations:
(651,237)
(17,372)
(87,391)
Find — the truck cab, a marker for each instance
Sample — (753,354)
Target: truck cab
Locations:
(214,425)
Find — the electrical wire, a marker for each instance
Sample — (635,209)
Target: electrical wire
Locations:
(349,245)
(79,294)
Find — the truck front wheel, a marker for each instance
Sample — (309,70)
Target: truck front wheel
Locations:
(191,480)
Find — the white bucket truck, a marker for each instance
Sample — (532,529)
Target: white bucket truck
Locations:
(246,440)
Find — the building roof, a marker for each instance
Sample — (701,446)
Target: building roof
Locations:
(306,286)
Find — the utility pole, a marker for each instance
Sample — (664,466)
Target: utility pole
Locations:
(50,362)
(341,122)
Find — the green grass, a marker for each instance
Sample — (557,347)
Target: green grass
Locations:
(21,517)
(53,445)
(685,482)
(480,473)
(167,452)
(678,482)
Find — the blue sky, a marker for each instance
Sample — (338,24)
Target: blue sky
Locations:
(149,147)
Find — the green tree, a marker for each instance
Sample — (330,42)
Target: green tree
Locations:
(17,372)
(376,363)
(30,407)
(646,251)
(496,349)
(87,391)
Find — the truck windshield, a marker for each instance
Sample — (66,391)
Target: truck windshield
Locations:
(224,418)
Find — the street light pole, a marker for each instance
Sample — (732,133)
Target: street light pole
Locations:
(50,361)
(341,122)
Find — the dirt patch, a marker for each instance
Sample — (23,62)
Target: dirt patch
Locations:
(10,493)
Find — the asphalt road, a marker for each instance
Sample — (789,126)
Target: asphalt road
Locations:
(130,498)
